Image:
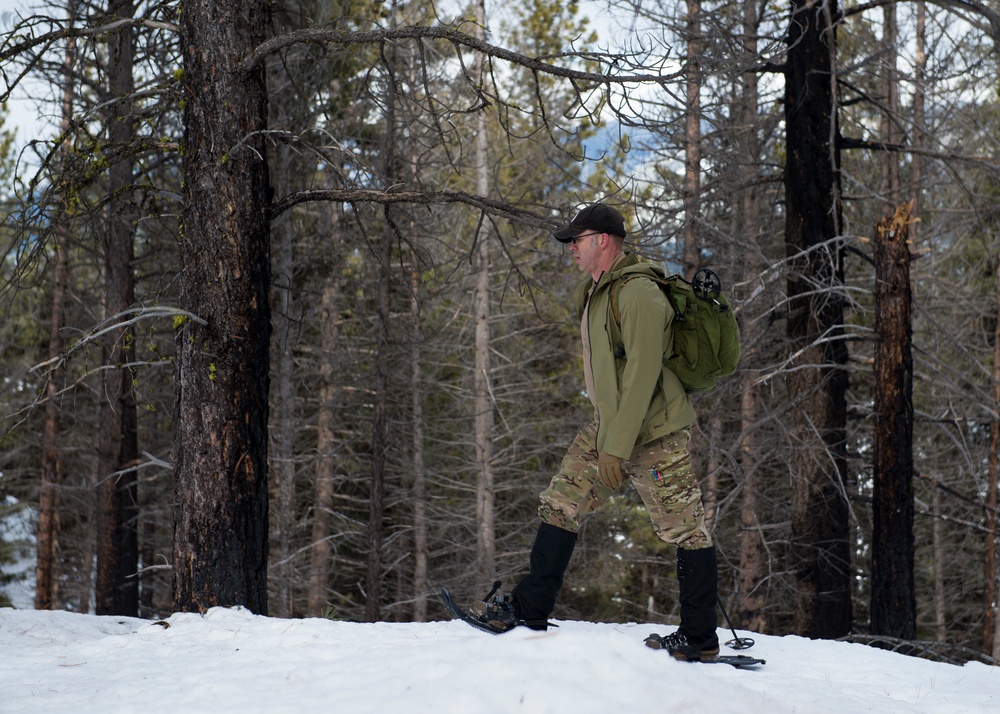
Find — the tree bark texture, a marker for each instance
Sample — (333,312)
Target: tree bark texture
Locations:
(817,379)
(221,389)
(893,597)
(116,589)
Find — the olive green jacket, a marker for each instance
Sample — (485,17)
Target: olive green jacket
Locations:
(638,399)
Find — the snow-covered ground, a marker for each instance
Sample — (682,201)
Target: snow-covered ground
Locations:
(17,536)
(230,660)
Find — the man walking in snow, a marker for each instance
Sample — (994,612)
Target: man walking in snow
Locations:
(640,432)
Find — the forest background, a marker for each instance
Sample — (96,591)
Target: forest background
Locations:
(285,326)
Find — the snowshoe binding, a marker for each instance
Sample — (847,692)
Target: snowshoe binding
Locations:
(679,647)
(493,614)
(496,612)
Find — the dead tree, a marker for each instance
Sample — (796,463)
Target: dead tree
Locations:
(817,380)
(893,596)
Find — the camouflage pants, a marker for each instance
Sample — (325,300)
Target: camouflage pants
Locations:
(661,473)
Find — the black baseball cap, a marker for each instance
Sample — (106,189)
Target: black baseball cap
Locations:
(595,217)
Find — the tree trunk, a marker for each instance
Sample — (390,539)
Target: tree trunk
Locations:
(753,563)
(149,553)
(893,596)
(817,376)
(46,582)
(319,554)
(917,132)
(47,536)
(486,527)
(421,580)
(752,575)
(485,518)
(117,582)
(991,643)
(283,439)
(889,129)
(692,141)
(220,440)
(376,505)
(937,544)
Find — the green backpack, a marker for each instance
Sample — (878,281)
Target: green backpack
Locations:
(706,336)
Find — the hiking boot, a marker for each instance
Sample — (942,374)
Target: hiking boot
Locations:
(679,647)
(497,613)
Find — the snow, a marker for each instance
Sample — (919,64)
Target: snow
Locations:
(230,660)
(17,530)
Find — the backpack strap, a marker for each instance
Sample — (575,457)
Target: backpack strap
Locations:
(616,291)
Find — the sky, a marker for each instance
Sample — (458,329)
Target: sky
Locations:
(23,111)
(25,116)
(229,660)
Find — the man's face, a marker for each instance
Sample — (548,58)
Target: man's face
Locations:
(586,250)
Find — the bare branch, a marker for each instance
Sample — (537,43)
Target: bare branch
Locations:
(365,195)
(460,39)
(965,6)
(15,43)
(848,143)
(116,323)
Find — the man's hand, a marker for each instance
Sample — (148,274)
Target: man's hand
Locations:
(609,469)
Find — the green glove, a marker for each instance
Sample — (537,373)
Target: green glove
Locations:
(609,469)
